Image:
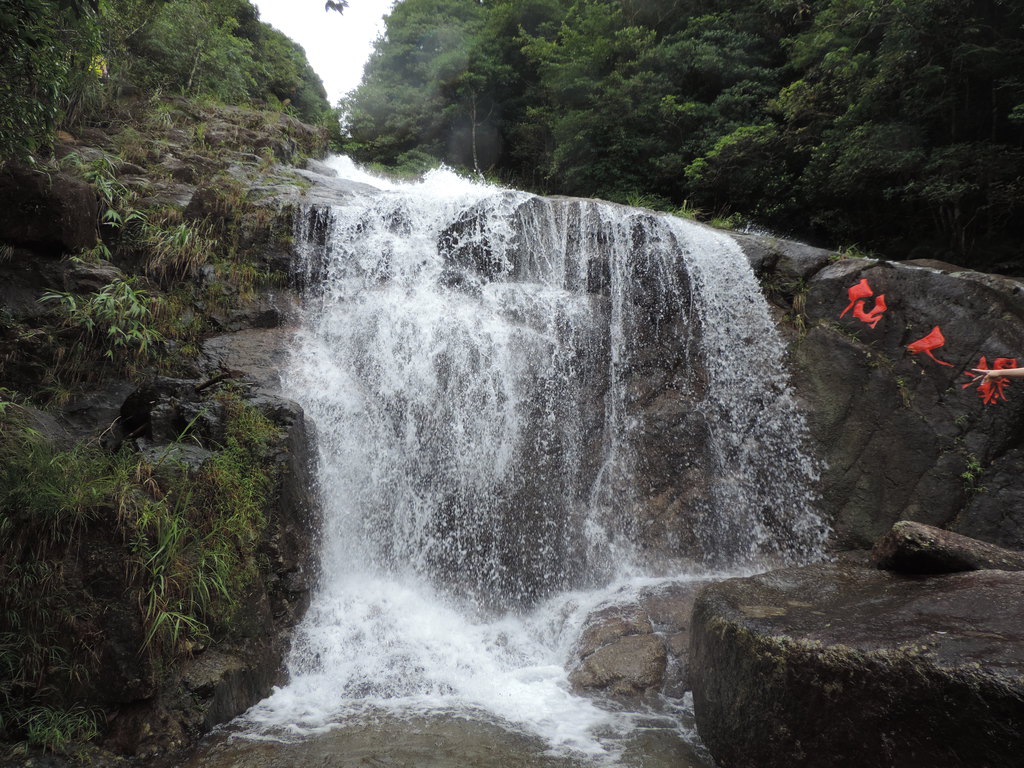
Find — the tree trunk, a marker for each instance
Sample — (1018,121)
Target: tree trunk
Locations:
(472,122)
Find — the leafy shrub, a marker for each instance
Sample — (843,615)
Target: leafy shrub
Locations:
(55,729)
(175,251)
(116,318)
(48,47)
(213,48)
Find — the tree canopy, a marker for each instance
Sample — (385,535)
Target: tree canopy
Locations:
(62,55)
(893,125)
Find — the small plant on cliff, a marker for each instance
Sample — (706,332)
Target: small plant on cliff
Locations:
(906,395)
(972,474)
(638,199)
(54,730)
(191,541)
(727,221)
(95,255)
(101,172)
(688,211)
(132,145)
(853,251)
(790,295)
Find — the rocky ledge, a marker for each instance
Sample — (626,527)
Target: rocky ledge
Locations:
(845,665)
(917,548)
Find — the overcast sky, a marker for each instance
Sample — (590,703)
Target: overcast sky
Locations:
(337,45)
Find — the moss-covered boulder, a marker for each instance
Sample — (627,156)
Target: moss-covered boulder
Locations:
(917,548)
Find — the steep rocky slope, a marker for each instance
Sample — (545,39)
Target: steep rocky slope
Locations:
(155,504)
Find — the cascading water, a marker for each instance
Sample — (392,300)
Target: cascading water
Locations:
(483,368)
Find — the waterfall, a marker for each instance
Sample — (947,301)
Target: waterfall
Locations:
(522,404)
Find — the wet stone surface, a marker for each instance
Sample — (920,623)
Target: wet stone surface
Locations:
(438,742)
(841,665)
(636,649)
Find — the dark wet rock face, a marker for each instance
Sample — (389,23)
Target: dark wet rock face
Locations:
(846,666)
(261,352)
(83,277)
(916,548)
(160,710)
(995,514)
(882,382)
(49,212)
(229,683)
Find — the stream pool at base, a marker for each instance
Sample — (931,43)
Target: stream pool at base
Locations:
(439,741)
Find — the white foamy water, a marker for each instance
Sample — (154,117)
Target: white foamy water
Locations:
(471,358)
(348,170)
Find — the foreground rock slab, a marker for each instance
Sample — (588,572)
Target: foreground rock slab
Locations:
(918,548)
(848,666)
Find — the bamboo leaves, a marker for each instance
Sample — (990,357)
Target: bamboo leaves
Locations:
(116,318)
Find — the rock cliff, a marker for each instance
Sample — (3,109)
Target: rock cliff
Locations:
(144,313)
(881,355)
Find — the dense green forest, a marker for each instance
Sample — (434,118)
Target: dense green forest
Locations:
(65,59)
(896,126)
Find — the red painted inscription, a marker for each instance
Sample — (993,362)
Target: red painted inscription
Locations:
(929,344)
(859,295)
(992,391)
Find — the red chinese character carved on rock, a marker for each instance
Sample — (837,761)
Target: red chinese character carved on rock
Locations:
(928,344)
(858,295)
(992,391)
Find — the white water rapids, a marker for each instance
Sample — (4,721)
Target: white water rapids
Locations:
(470,358)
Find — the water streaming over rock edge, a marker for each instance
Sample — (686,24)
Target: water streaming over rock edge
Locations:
(485,369)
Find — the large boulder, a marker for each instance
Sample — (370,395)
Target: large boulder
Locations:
(847,666)
(619,653)
(881,354)
(638,647)
(917,548)
(48,212)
